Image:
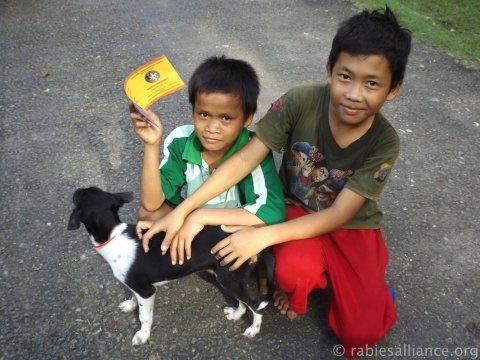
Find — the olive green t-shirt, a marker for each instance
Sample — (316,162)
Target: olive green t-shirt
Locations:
(314,168)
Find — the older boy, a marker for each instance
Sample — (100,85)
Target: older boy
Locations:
(223,94)
(334,220)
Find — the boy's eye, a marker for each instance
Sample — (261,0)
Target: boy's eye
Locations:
(226,118)
(372,84)
(203,115)
(343,76)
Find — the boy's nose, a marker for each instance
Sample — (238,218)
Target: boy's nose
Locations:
(354,92)
(213,125)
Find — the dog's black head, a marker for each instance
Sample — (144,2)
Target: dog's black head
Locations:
(97,210)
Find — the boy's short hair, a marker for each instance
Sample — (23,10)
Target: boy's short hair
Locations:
(224,75)
(374,33)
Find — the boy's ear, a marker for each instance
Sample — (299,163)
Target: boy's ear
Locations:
(329,72)
(248,121)
(393,93)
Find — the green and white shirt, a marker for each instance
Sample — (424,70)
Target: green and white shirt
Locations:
(183,170)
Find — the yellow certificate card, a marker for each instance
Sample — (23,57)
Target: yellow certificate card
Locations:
(151,82)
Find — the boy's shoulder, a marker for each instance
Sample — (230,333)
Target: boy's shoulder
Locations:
(306,96)
(309,90)
(183,131)
(384,130)
(181,138)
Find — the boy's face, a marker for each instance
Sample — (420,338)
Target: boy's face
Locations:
(218,119)
(359,84)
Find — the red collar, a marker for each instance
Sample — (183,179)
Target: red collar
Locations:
(105,243)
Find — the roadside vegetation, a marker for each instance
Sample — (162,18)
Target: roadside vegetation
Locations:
(452,26)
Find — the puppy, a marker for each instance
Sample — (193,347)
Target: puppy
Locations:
(141,272)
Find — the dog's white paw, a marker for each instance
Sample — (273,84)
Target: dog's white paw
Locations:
(128,305)
(234,313)
(252,331)
(140,337)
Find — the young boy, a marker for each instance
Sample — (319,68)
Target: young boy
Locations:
(333,224)
(223,93)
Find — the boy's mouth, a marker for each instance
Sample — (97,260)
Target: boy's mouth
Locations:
(211,140)
(351,111)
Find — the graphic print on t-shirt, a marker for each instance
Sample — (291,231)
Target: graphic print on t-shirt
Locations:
(311,180)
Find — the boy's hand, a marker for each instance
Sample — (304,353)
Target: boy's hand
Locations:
(239,247)
(143,225)
(182,244)
(170,224)
(149,134)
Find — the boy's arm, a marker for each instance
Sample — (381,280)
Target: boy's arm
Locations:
(151,193)
(242,245)
(237,216)
(263,192)
(198,219)
(263,200)
(228,174)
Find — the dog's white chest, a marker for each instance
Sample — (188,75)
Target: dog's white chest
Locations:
(120,253)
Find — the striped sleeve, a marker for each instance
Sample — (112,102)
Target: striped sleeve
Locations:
(172,166)
(262,191)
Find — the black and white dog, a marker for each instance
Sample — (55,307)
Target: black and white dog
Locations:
(117,242)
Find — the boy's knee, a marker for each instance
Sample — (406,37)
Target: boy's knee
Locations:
(359,333)
(145,215)
(354,337)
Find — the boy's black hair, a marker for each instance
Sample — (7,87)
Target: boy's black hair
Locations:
(374,33)
(224,75)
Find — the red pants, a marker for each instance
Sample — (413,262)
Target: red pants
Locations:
(361,310)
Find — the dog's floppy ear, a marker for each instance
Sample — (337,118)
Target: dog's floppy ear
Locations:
(74,222)
(124,197)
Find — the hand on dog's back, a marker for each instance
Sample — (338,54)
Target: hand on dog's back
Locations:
(170,224)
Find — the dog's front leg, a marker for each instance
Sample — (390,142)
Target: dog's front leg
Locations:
(145,308)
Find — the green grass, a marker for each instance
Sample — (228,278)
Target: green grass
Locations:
(452,26)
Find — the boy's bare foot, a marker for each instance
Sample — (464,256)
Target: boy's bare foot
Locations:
(280,300)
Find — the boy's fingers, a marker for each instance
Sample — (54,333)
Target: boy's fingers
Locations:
(138,231)
(166,242)
(132,108)
(139,121)
(145,241)
(188,248)
(236,265)
(173,252)
(148,235)
(228,259)
(220,245)
(141,225)
(180,250)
